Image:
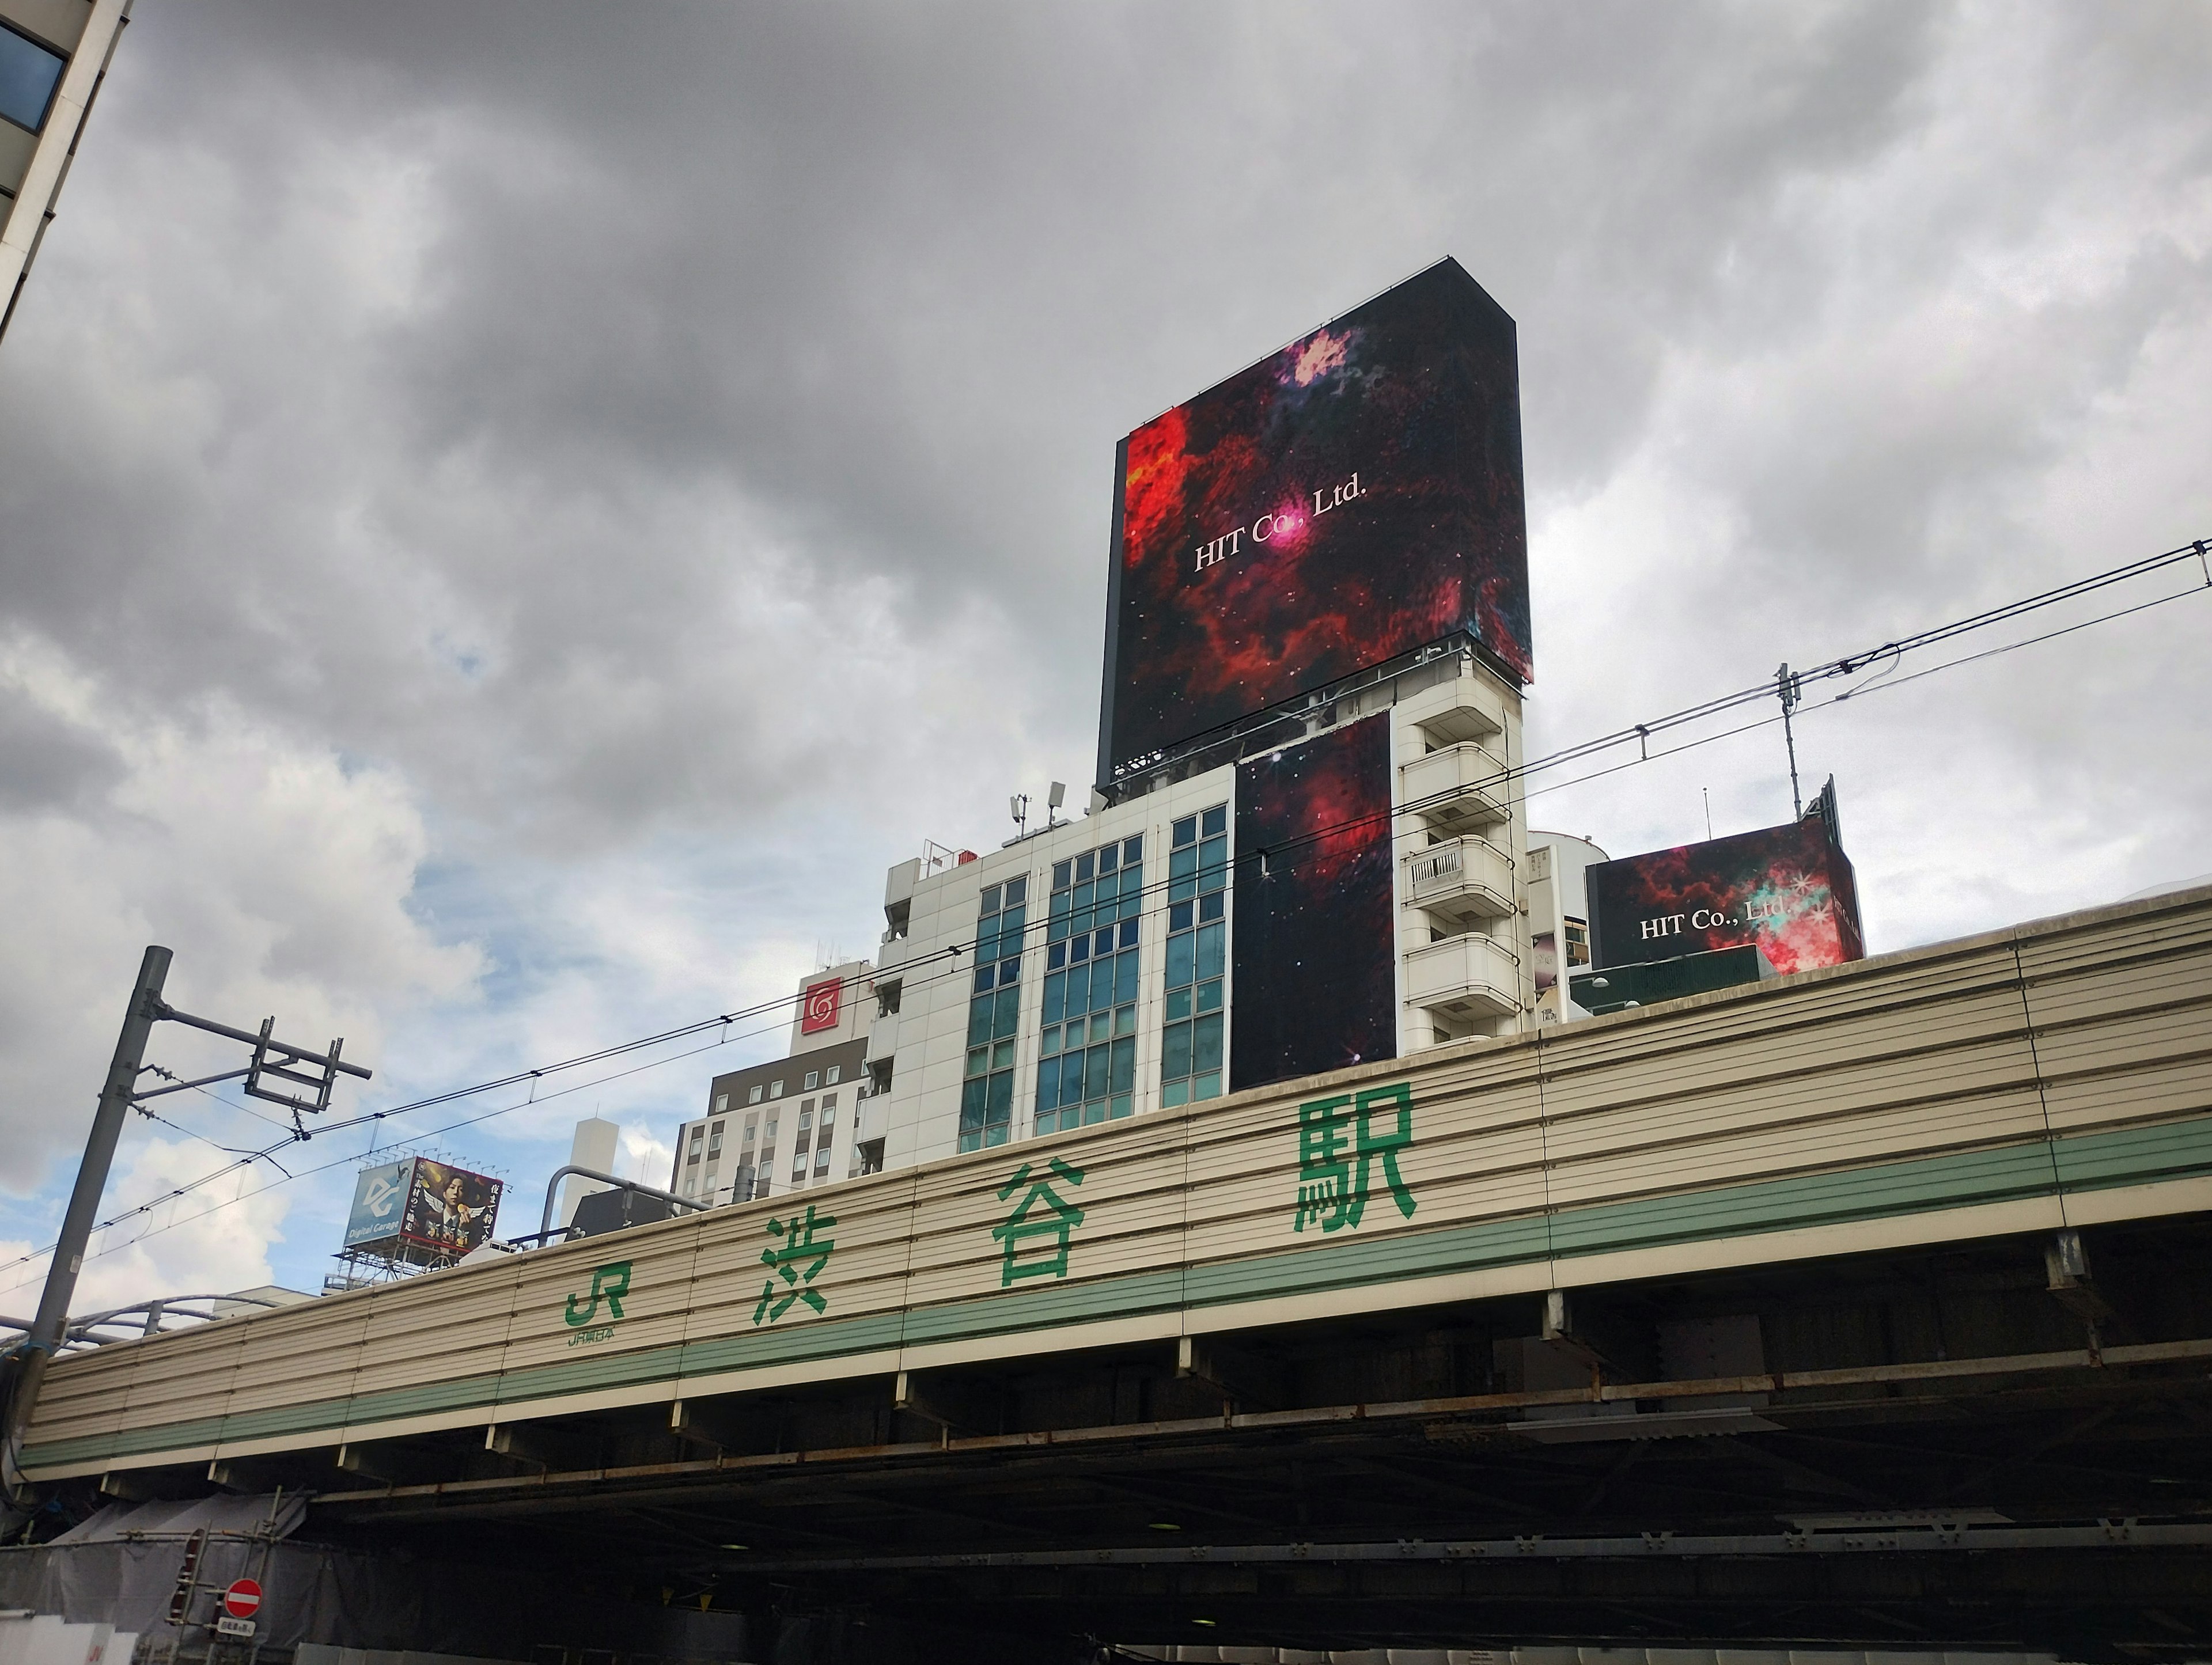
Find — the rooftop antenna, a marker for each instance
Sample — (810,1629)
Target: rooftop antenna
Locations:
(1019,806)
(1787,687)
(1053,800)
(1708,791)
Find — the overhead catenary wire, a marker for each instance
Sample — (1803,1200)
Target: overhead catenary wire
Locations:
(1851,663)
(247,1160)
(1890,653)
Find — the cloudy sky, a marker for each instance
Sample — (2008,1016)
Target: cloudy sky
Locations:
(512,517)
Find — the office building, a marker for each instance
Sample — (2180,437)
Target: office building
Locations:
(799,1120)
(53,57)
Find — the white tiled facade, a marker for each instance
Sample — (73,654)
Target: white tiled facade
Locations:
(926,1039)
(1463,951)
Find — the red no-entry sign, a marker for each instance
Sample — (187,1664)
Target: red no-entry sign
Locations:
(242,1599)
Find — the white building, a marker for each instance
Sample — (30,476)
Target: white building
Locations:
(965,1032)
(53,56)
(596,1145)
(1558,918)
(799,1120)
(1143,883)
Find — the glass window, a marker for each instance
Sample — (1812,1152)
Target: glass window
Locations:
(721,1103)
(754,1096)
(1197,958)
(775,1090)
(813,1080)
(1087,1047)
(987,1095)
(829,1077)
(29,75)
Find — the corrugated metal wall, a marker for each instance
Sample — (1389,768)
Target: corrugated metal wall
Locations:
(2059,1073)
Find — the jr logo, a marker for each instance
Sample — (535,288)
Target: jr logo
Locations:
(611,1282)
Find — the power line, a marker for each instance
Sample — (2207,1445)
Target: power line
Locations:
(1639,733)
(247,1159)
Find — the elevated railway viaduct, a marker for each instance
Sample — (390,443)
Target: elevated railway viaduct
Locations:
(1870,1307)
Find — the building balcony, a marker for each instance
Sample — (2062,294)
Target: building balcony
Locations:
(1456,788)
(895,952)
(1461,882)
(1464,978)
(1468,708)
(883,1036)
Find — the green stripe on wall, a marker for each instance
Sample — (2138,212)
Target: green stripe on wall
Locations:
(1956,1181)
(2094,1161)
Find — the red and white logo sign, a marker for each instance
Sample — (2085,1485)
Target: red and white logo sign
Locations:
(820,1011)
(242,1599)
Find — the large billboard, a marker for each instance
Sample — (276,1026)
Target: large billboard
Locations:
(416,1207)
(1315,947)
(1789,890)
(1345,500)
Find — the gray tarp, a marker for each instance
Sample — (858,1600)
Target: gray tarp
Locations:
(120,1568)
(271,1516)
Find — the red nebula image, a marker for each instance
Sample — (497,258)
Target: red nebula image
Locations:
(1350,498)
(1314,949)
(1790,889)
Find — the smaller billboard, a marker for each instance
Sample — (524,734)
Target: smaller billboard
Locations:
(1314,959)
(379,1204)
(1788,889)
(416,1206)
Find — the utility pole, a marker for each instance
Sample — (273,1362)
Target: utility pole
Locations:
(1787,687)
(51,1327)
(271,1059)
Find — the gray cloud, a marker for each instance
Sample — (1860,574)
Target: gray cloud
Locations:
(663,458)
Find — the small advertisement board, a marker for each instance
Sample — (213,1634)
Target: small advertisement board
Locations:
(379,1204)
(1314,961)
(1788,889)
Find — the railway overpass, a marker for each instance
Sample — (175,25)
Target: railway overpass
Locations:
(1869,1306)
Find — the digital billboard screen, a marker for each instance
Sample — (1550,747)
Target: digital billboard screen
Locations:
(1789,890)
(1349,499)
(1314,946)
